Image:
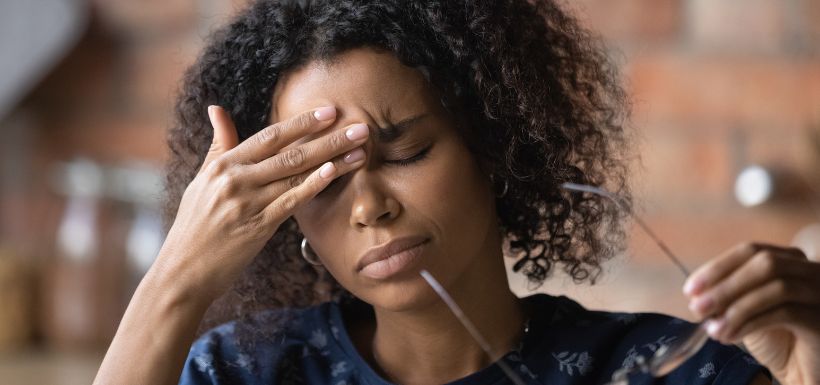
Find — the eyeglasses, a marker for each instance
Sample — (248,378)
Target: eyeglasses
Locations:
(666,358)
(669,356)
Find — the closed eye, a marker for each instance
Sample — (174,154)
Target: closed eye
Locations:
(401,162)
(413,159)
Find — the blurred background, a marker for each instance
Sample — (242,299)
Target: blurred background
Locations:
(727,110)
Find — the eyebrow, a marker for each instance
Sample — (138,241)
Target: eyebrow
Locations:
(392,132)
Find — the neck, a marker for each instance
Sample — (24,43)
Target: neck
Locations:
(431,345)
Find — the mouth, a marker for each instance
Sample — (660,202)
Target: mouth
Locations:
(384,261)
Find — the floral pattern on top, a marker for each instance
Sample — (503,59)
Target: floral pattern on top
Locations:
(565,344)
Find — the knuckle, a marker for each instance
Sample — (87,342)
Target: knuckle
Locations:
(293,158)
(734,312)
(256,223)
(262,220)
(217,167)
(766,262)
(294,181)
(268,135)
(227,184)
(306,119)
(748,248)
(300,121)
(260,139)
(337,141)
(233,174)
(288,202)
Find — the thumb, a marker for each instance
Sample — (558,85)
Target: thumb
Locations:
(225,137)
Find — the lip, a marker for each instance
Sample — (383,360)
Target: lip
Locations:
(382,261)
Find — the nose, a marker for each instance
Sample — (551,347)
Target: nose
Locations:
(373,204)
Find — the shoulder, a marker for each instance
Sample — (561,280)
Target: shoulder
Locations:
(259,350)
(594,344)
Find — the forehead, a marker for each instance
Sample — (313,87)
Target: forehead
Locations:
(362,83)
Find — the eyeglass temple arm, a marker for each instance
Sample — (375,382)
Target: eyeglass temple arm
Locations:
(619,201)
(470,327)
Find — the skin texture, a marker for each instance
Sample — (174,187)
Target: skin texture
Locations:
(443,196)
(241,195)
(767,297)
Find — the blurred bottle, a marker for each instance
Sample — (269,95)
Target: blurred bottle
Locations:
(140,186)
(15,300)
(83,285)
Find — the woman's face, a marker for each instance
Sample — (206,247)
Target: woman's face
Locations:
(419,180)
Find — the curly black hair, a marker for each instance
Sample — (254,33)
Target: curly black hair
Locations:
(537,98)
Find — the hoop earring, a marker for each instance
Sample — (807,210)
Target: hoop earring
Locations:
(308,254)
(503,190)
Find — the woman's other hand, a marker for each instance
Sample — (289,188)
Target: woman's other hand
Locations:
(767,297)
(245,191)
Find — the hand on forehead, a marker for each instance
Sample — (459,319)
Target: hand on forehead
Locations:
(364,85)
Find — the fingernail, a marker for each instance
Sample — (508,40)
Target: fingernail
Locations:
(325,113)
(358,131)
(211,112)
(701,305)
(714,327)
(354,156)
(692,286)
(327,170)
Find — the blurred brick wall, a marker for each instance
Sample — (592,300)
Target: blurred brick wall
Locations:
(111,100)
(718,84)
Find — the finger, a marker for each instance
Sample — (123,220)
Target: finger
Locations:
(344,164)
(799,316)
(715,270)
(224,135)
(764,266)
(306,156)
(269,140)
(765,299)
(284,206)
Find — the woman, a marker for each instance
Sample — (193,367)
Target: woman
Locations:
(349,145)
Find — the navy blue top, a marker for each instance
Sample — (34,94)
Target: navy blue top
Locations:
(565,344)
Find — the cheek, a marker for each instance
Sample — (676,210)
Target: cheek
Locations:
(310,214)
(310,224)
(456,197)
(321,214)
(329,241)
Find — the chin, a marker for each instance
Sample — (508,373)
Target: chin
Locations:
(403,295)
